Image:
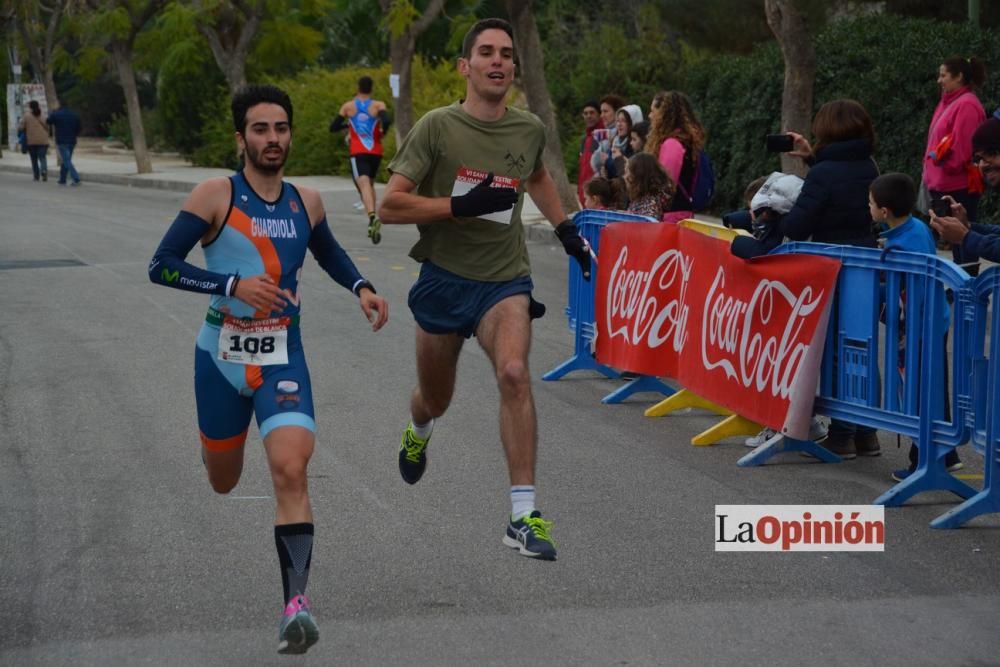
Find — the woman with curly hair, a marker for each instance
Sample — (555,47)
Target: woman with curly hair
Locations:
(676,137)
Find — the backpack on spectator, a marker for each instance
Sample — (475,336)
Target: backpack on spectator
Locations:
(702,185)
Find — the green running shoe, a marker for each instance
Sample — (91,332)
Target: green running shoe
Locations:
(412,456)
(530,536)
(375,230)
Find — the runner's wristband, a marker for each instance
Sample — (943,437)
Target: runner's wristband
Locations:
(360,285)
(234,283)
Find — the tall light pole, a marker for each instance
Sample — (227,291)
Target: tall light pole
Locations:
(974,12)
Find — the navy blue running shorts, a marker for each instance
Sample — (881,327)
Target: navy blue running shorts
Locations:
(445,303)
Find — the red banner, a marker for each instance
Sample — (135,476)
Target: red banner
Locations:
(746,335)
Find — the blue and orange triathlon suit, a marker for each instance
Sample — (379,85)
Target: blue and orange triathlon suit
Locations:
(365,140)
(251,362)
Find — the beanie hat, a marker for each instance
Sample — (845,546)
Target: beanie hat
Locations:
(986,138)
(634,111)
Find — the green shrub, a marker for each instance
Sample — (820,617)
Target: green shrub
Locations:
(187,81)
(887,63)
(316,96)
(120,129)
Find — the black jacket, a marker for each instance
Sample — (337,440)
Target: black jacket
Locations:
(833,205)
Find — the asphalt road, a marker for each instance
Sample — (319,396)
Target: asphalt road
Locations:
(115,551)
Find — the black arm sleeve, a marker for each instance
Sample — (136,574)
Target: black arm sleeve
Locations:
(168,266)
(383,117)
(332,258)
(338,124)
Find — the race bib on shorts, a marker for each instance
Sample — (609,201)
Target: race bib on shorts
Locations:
(466,179)
(262,342)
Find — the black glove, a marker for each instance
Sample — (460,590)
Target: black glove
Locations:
(483,199)
(575,245)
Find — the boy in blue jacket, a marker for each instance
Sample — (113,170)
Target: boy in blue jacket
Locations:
(891,197)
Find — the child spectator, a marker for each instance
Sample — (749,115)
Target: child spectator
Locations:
(891,197)
(742,219)
(774,198)
(602,194)
(638,137)
(650,190)
(621,144)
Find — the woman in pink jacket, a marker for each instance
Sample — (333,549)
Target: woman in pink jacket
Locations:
(948,168)
(676,138)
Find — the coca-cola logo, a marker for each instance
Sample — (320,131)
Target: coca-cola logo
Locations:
(743,338)
(639,314)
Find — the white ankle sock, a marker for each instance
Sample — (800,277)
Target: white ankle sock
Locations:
(522,501)
(422,431)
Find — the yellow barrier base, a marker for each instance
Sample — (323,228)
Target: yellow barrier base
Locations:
(729,427)
(681,400)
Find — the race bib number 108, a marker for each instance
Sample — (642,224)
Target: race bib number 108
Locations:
(258,342)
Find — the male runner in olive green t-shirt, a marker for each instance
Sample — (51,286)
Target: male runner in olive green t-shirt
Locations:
(459,176)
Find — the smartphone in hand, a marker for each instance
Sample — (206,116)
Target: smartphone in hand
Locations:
(779,143)
(941,207)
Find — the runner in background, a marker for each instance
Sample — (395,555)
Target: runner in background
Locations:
(367,121)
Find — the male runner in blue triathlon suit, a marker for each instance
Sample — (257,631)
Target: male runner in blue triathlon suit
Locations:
(367,121)
(254,229)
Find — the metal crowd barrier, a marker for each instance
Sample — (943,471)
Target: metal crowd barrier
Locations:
(582,318)
(865,383)
(983,349)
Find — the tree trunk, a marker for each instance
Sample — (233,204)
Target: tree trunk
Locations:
(232,58)
(122,56)
(532,70)
(401,50)
(41,61)
(792,32)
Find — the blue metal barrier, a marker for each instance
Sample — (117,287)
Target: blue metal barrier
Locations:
(985,421)
(906,401)
(580,310)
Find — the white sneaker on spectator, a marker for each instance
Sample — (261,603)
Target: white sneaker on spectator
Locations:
(817,432)
(760,438)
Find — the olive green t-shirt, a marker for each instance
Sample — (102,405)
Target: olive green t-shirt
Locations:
(447,152)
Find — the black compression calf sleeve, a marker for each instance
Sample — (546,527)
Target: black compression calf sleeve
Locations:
(294,543)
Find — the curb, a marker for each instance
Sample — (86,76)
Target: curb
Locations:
(538,231)
(116,179)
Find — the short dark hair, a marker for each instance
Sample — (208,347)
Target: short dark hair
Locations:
(365,85)
(616,102)
(841,120)
(752,188)
(248,97)
(611,192)
(591,104)
(642,129)
(480,26)
(896,192)
(35,108)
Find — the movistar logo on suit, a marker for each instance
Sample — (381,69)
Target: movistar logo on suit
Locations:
(169,276)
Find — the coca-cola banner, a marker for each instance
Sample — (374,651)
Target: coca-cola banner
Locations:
(674,303)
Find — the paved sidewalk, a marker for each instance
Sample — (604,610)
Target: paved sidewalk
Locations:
(98,162)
